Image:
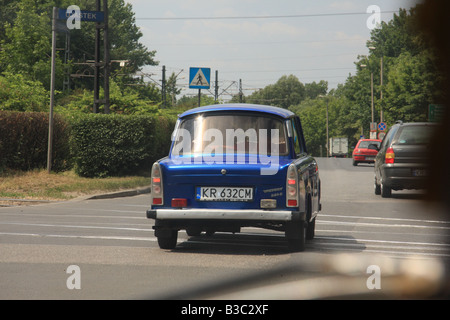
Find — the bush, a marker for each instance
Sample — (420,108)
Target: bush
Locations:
(24,141)
(112,145)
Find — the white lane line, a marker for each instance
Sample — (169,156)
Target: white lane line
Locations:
(383,225)
(409,243)
(73,226)
(77,236)
(385,219)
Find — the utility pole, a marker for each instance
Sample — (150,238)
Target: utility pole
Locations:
(97,62)
(163,86)
(381,89)
(106,57)
(240,91)
(52,93)
(216,88)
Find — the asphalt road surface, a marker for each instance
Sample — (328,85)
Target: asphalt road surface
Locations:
(105,248)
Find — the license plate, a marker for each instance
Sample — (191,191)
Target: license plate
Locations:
(370,158)
(420,173)
(224,194)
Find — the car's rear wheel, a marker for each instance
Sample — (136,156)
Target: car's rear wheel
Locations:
(169,241)
(377,187)
(311,229)
(386,192)
(296,236)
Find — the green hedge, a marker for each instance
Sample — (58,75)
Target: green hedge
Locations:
(97,145)
(24,141)
(111,145)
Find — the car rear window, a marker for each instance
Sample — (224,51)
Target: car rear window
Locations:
(414,135)
(365,144)
(230,134)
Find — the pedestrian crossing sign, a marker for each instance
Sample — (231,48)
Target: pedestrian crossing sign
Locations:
(199,78)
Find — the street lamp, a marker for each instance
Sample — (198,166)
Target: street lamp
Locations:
(326,98)
(381,84)
(371,90)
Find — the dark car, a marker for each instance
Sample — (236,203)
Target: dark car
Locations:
(402,160)
(233,166)
(363,154)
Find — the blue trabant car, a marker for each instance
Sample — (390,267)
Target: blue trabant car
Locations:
(232,166)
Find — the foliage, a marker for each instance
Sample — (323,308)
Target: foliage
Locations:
(189,102)
(20,94)
(112,145)
(122,101)
(26,41)
(287,91)
(411,78)
(24,141)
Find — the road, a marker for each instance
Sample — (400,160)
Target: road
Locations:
(112,243)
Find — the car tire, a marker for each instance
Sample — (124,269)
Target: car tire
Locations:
(169,242)
(377,187)
(386,192)
(297,244)
(355,163)
(311,229)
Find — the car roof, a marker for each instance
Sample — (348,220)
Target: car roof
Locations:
(284,113)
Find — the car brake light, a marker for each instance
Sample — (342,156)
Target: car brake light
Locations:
(390,156)
(179,202)
(292,187)
(157,186)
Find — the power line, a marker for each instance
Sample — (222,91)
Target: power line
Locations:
(259,17)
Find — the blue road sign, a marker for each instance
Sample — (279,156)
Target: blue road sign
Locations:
(199,78)
(382,126)
(91,16)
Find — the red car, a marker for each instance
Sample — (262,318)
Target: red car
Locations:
(363,153)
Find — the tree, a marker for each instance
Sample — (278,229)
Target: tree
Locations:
(17,93)
(313,89)
(411,87)
(26,47)
(286,92)
(171,90)
(26,43)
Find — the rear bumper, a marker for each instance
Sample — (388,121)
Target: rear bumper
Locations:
(364,158)
(401,177)
(226,215)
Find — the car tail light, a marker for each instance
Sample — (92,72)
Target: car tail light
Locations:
(157,186)
(292,187)
(179,202)
(390,156)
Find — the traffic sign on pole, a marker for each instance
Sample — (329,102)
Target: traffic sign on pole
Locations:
(83,15)
(199,78)
(382,126)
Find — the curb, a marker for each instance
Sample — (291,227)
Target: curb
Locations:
(126,193)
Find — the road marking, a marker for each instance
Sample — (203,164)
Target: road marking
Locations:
(78,236)
(73,226)
(384,225)
(384,219)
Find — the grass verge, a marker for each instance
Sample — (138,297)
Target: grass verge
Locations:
(40,185)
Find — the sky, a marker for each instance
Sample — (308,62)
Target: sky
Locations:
(256,42)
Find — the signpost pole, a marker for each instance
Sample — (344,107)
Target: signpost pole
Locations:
(52,93)
(199,96)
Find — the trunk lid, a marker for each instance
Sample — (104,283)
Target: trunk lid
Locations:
(193,179)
